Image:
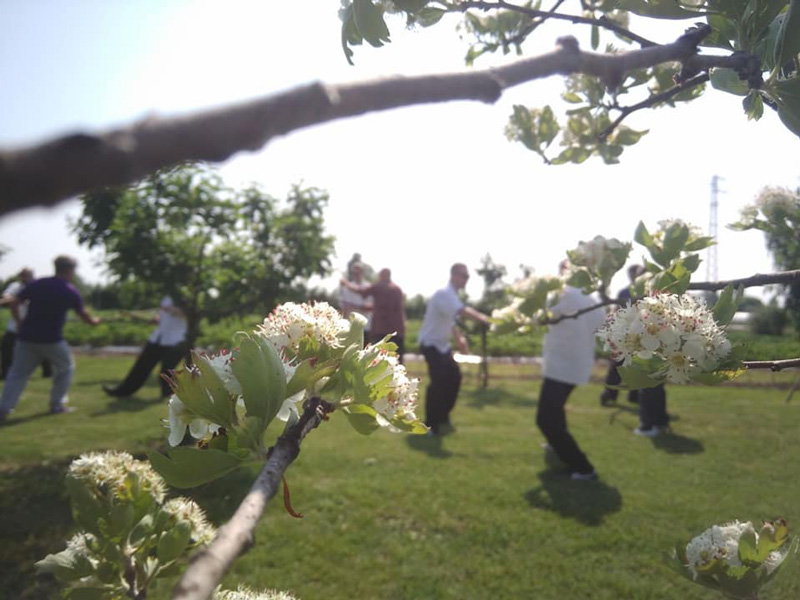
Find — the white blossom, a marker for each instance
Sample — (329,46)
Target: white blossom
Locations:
(183,509)
(401,400)
(181,417)
(694,230)
(245,593)
(221,363)
(597,253)
(107,473)
(289,323)
(679,330)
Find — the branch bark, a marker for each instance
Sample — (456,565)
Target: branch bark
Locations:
(207,568)
(70,165)
(781,277)
(578,313)
(772,365)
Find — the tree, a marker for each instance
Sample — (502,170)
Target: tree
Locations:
(494,292)
(776,212)
(216,251)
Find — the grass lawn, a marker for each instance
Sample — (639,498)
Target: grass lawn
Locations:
(474,515)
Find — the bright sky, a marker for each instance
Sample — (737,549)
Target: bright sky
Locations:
(414,189)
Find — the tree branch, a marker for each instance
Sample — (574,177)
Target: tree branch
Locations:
(207,568)
(652,101)
(70,165)
(543,15)
(772,365)
(578,313)
(782,277)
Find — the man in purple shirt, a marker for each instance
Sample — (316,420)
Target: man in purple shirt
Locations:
(40,336)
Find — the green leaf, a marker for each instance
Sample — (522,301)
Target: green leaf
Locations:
(642,236)
(362,418)
(173,542)
(571,97)
(89,593)
(193,390)
(370,23)
(260,372)
(699,244)
(580,279)
(87,510)
(350,33)
(141,531)
(636,378)
(429,16)
(747,549)
(725,307)
(753,105)
(64,565)
(717,377)
(787,94)
(788,44)
(675,238)
(190,467)
(627,137)
(727,80)
(595,37)
(691,262)
(249,434)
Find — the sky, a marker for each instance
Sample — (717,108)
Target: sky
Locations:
(413,189)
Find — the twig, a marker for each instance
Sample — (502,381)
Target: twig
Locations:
(652,101)
(795,383)
(781,277)
(207,568)
(772,365)
(576,314)
(543,15)
(44,174)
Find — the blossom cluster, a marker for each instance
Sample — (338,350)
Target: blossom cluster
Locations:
(600,254)
(721,543)
(678,331)
(666,224)
(401,398)
(511,318)
(245,593)
(289,323)
(109,474)
(183,510)
(774,201)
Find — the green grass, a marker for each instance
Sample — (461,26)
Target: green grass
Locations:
(474,515)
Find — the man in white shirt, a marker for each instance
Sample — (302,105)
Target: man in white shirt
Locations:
(438,324)
(166,344)
(568,358)
(350,300)
(10,336)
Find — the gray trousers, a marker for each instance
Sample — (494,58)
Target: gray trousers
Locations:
(27,357)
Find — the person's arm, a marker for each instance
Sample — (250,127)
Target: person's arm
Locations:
(13,305)
(461,340)
(88,318)
(364,290)
(6,300)
(475,315)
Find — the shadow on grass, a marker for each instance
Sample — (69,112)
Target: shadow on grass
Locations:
(585,501)
(430,444)
(672,443)
(128,404)
(220,498)
(481,398)
(11,421)
(36,521)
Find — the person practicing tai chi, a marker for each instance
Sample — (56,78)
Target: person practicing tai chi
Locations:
(388,309)
(10,336)
(438,324)
(567,361)
(40,336)
(166,344)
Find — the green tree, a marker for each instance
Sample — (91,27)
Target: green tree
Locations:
(494,289)
(776,212)
(215,250)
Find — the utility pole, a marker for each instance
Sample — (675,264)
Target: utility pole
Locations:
(712,272)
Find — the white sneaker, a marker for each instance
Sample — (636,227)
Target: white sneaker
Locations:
(650,432)
(576,476)
(546,447)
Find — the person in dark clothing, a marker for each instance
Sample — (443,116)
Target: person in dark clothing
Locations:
(166,345)
(10,336)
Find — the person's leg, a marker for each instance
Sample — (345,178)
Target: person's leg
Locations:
(653,408)
(26,359)
(612,378)
(172,356)
(6,352)
(453,386)
(148,358)
(434,414)
(401,347)
(60,357)
(47,369)
(552,421)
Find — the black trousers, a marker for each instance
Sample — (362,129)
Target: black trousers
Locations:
(399,340)
(442,391)
(151,354)
(7,356)
(552,421)
(653,407)
(613,378)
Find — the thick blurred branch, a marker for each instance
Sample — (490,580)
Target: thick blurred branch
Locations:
(781,277)
(207,568)
(578,313)
(45,174)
